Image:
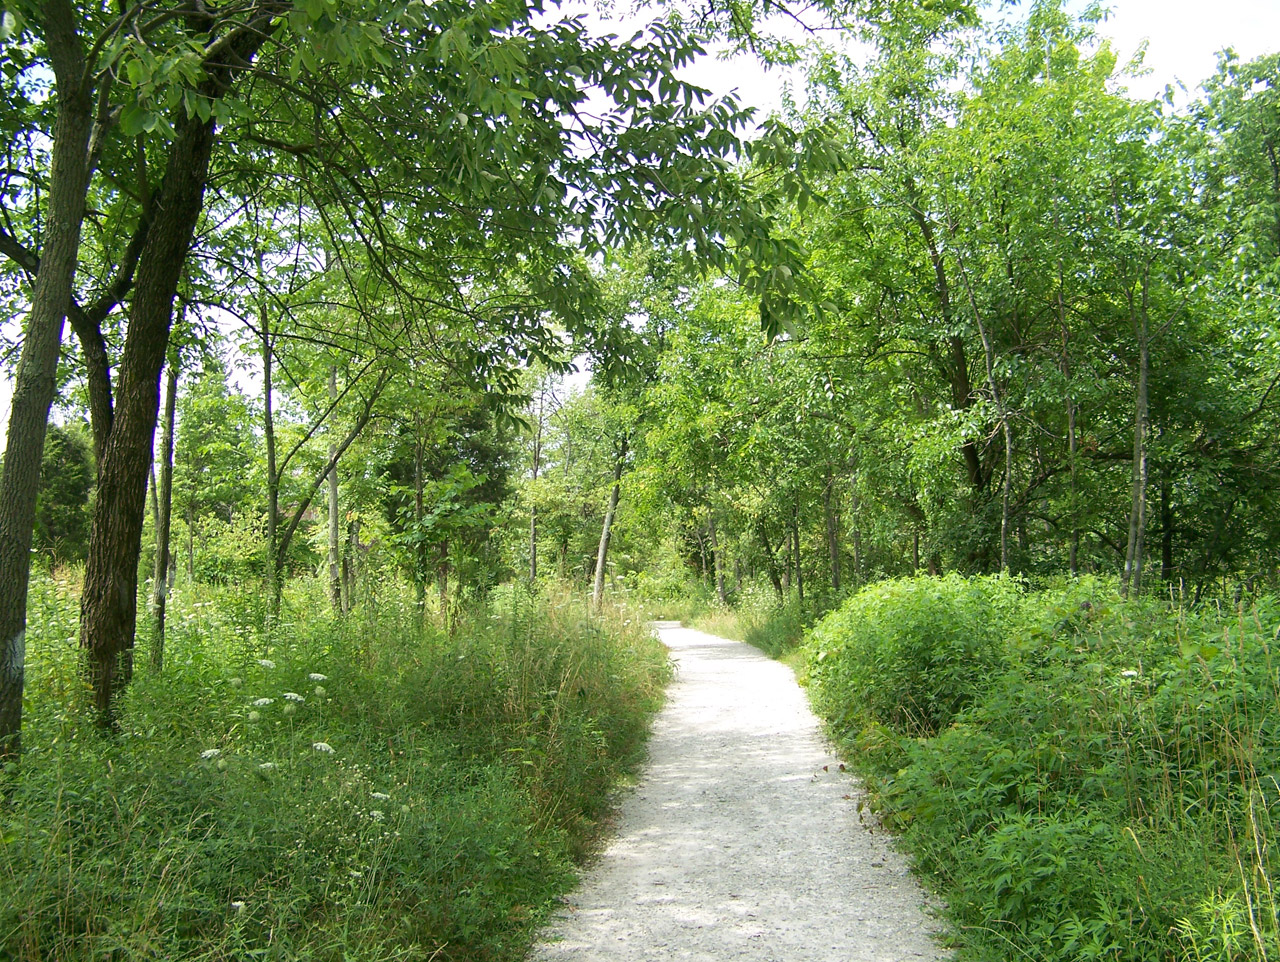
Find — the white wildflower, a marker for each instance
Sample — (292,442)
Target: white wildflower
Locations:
(238,906)
(267,767)
(293,696)
(376,815)
(266,663)
(1129,674)
(381,796)
(316,676)
(323,747)
(209,753)
(262,702)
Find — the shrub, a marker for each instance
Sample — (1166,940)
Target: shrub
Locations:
(910,653)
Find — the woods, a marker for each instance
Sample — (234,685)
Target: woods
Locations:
(392,323)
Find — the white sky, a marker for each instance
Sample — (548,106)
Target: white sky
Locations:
(1183,38)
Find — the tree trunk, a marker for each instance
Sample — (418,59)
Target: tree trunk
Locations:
(108,606)
(164,514)
(718,556)
(1132,579)
(833,531)
(335,571)
(771,561)
(795,544)
(275,562)
(533,507)
(35,384)
(1166,524)
(915,552)
(419,562)
(606,529)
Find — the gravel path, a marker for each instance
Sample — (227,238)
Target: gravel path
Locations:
(743,840)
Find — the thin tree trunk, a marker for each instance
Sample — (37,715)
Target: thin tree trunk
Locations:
(1166,523)
(420,562)
(164,514)
(857,531)
(833,531)
(606,529)
(718,556)
(771,561)
(275,561)
(915,552)
(1073,549)
(335,571)
(1131,583)
(795,542)
(35,385)
(533,507)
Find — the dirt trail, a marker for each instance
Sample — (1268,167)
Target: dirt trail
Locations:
(743,839)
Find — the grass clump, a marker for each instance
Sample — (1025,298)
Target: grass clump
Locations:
(365,788)
(1107,792)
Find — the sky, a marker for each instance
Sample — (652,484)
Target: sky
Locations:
(1182,37)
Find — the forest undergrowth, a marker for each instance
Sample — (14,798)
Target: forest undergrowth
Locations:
(1078,776)
(358,788)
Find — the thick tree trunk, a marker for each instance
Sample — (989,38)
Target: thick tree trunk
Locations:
(606,529)
(164,513)
(108,606)
(35,385)
(335,571)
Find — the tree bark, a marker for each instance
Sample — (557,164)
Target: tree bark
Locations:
(533,507)
(164,514)
(35,385)
(718,557)
(108,606)
(273,572)
(1131,582)
(606,529)
(335,572)
(795,545)
(1166,524)
(771,561)
(833,531)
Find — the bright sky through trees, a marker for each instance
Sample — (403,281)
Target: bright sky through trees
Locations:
(1183,37)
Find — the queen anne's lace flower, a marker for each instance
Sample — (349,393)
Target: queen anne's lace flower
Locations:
(209,753)
(381,796)
(262,702)
(266,663)
(267,767)
(316,676)
(293,696)
(323,747)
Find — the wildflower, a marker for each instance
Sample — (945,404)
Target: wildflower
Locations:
(237,906)
(294,696)
(316,676)
(323,747)
(262,702)
(381,796)
(1129,674)
(235,682)
(376,815)
(266,663)
(320,692)
(267,767)
(209,753)
(404,809)
(254,716)
(290,708)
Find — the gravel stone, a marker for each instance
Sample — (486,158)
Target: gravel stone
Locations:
(743,840)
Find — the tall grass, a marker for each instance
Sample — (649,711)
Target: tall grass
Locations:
(364,788)
(1107,791)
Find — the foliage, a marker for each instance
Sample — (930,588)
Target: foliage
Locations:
(359,789)
(1106,794)
(910,654)
(66,487)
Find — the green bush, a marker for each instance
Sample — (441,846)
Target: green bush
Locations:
(366,788)
(909,654)
(1108,793)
